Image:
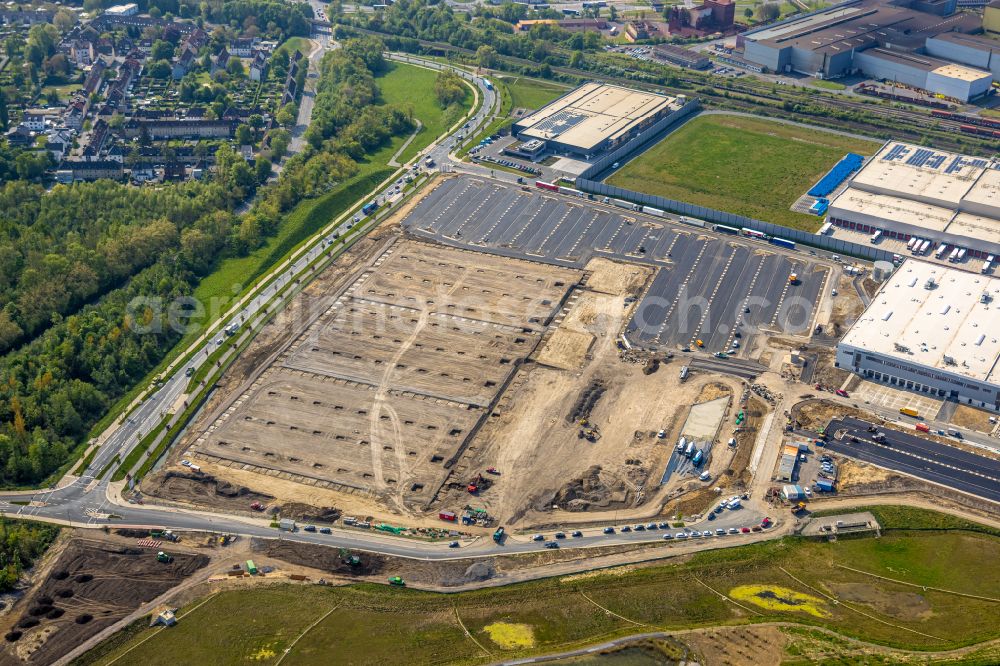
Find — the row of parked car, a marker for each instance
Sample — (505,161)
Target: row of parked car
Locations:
(686,534)
(721,531)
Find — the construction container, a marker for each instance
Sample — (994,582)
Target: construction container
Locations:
(825,485)
(251,568)
(447,515)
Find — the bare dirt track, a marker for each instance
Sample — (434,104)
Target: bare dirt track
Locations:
(91,585)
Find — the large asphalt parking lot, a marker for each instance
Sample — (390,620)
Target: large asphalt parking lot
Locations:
(707,281)
(916,456)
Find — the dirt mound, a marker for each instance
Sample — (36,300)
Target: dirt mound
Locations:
(479,571)
(95,584)
(307,513)
(202,490)
(332,560)
(590,492)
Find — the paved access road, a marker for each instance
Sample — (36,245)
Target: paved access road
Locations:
(716,288)
(916,456)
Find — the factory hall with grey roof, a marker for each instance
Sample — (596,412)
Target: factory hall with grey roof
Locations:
(916,43)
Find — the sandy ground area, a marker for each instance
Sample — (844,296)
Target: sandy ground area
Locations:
(972,418)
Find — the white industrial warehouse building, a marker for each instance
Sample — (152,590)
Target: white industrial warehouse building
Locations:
(933,330)
(909,191)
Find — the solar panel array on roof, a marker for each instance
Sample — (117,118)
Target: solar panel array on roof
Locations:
(919,157)
(559,122)
(896,152)
(961,162)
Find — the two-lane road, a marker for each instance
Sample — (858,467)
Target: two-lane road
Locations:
(917,456)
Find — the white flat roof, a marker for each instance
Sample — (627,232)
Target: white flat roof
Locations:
(946,327)
(920,173)
(591,114)
(885,207)
(976,227)
(984,196)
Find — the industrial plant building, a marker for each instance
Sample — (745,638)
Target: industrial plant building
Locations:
(933,330)
(918,44)
(909,191)
(595,118)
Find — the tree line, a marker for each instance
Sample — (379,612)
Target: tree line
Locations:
(21,543)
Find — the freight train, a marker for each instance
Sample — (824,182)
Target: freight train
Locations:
(968,120)
(980,131)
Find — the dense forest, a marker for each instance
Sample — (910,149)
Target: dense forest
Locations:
(74,260)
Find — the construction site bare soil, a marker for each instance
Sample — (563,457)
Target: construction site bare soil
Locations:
(91,585)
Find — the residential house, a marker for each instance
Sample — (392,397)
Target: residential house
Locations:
(82,53)
(95,77)
(73,170)
(181,129)
(183,64)
(35,120)
(104,46)
(76,112)
(19,137)
(96,141)
(26,17)
(258,67)
(220,60)
(243,47)
(196,40)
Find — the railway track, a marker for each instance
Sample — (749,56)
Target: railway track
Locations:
(908,125)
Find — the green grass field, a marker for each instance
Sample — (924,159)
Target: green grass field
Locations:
(295,44)
(367,623)
(829,85)
(407,86)
(749,166)
(532,93)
